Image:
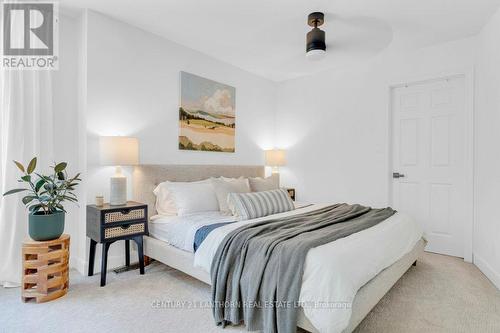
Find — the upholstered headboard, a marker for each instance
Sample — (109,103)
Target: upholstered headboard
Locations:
(147,177)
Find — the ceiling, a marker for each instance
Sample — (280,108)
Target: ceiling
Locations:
(267,37)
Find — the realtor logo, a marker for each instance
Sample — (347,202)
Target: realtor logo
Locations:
(29,35)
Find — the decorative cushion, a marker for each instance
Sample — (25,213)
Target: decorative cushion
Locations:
(253,205)
(259,184)
(223,186)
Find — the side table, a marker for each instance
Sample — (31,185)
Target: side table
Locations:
(45,269)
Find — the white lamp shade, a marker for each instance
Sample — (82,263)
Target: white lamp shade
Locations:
(118,150)
(275,157)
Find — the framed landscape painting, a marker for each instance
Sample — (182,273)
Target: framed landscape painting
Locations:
(206,115)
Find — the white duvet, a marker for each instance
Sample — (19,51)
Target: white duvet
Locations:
(334,272)
(179,231)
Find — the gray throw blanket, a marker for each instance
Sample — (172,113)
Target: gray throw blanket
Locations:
(257,270)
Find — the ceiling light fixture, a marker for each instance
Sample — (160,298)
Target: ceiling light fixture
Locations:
(315,41)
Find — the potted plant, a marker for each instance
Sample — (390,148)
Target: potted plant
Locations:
(44,198)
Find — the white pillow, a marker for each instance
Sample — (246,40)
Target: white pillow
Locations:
(181,198)
(259,184)
(165,204)
(223,186)
(241,181)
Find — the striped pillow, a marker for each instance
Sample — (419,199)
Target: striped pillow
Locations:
(246,206)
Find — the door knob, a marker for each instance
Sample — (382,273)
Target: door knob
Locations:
(397,175)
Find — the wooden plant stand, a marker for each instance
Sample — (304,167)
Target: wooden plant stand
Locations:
(45,269)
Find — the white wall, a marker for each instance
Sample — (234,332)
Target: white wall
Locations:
(487,152)
(335,124)
(133,90)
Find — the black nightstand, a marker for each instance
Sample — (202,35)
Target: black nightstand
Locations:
(291,192)
(108,224)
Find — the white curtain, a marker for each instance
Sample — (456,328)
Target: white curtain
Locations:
(26,130)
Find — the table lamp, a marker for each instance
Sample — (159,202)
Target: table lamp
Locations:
(118,151)
(275,158)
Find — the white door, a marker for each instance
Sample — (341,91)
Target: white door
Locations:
(429,148)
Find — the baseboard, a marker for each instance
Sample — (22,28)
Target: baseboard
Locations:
(487,270)
(81,265)
(78,263)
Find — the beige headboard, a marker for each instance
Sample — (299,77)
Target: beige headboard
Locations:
(147,177)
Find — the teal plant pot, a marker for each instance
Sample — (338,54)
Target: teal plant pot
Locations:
(44,227)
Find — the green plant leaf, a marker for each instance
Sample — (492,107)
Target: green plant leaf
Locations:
(26,178)
(75,177)
(60,207)
(39,184)
(17,190)
(19,165)
(69,198)
(42,176)
(60,175)
(31,166)
(60,167)
(27,199)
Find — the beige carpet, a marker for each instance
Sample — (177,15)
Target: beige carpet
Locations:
(440,294)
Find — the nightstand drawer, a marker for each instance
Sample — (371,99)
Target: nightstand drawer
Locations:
(124,230)
(125,215)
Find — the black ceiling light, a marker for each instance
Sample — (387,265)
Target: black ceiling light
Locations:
(315,41)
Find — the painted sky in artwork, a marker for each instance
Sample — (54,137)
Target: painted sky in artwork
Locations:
(200,94)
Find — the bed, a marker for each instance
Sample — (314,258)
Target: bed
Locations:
(145,179)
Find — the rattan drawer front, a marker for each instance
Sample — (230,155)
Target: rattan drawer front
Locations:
(134,214)
(131,229)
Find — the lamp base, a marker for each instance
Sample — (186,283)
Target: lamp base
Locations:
(118,191)
(276,178)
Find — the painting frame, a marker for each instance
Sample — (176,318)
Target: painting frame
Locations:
(207,114)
